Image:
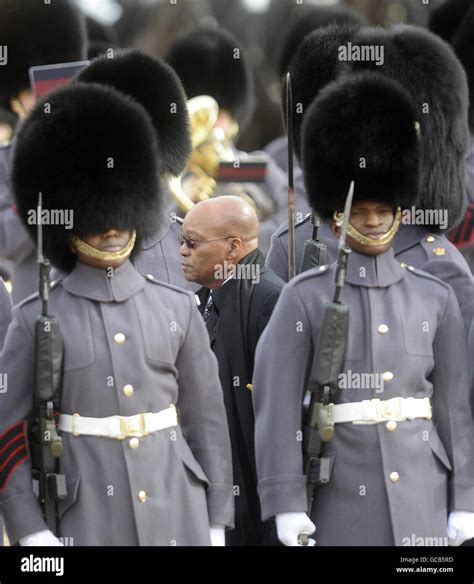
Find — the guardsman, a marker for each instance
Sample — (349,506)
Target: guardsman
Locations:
(142,77)
(437,85)
(400,460)
(147,455)
(31,33)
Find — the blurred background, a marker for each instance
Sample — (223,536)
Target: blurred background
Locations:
(260,25)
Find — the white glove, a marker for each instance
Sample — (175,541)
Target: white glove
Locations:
(460,527)
(45,537)
(291,525)
(217,533)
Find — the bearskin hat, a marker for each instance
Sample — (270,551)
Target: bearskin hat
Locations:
(91,150)
(37,33)
(361,128)
(210,61)
(429,70)
(155,85)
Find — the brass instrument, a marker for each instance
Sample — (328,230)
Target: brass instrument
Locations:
(211,145)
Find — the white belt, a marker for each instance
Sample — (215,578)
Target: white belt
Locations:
(374,411)
(119,427)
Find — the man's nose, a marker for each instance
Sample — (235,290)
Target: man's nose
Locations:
(184,249)
(373,219)
(110,233)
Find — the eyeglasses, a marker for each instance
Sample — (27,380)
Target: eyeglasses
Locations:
(192,243)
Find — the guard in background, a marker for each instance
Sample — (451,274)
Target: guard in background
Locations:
(437,85)
(35,33)
(307,19)
(135,349)
(397,445)
(454,22)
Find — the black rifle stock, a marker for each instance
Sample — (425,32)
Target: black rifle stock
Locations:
(45,442)
(323,384)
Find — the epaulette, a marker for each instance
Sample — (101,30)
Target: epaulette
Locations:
(176,219)
(283,229)
(311,273)
(306,218)
(434,245)
(422,274)
(151,278)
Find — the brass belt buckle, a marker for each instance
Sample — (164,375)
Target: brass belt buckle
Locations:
(326,422)
(132,426)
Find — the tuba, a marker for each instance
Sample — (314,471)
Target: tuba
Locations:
(211,147)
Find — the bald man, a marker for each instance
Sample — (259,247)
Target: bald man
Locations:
(219,251)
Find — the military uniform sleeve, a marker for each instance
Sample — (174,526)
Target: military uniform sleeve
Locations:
(203,418)
(451,404)
(18,503)
(282,362)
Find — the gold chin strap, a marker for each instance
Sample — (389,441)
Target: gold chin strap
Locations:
(108,256)
(363,239)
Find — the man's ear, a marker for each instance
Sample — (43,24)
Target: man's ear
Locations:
(235,248)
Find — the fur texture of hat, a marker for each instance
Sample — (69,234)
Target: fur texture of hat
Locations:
(37,33)
(360,128)
(155,85)
(210,61)
(92,151)
(428,69)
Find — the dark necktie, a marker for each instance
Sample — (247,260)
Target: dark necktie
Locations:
(210,316)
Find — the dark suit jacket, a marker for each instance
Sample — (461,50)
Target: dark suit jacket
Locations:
(244,310)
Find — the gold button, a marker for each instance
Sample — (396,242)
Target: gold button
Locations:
(382,328)
(128,390)
(150,276)
(403,264)
(394,477)
(439,251)
(142,496)
(430,238)
(134,443)
(391,426)
(119,338)
(387,376)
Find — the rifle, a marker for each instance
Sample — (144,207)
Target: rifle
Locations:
(315,252)
(291,189)
(45,442)
(326,367)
